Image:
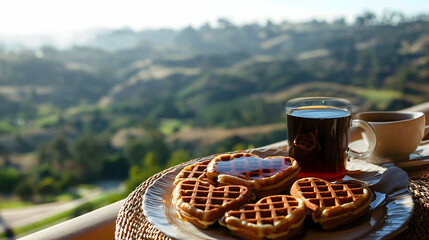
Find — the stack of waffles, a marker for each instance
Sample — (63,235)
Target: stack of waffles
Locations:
(260,198)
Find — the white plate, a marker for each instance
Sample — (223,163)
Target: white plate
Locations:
(384,222)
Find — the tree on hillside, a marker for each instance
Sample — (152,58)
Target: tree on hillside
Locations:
(48,186)
(134,150)
(392,18)
(139,173)
(366,19)
(60,150)
(98,123)
(225,23)
(5,154)
(88,155)
(9,178)
(152,160)
(25,190)
(151,140)
(21,144)
(177,157)
(115,167)
(55,153)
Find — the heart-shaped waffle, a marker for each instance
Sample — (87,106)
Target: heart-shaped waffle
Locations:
(263,176)
(272,217)
(202,203)
(333,204)
(197,170)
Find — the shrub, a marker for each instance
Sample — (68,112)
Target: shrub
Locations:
(9,178)
(25,190)
(48,186)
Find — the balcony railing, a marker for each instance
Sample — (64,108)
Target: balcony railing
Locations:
(98,224)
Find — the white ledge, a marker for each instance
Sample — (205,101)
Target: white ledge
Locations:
(97,224)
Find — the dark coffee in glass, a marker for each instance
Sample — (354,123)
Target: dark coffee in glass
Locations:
(318,136)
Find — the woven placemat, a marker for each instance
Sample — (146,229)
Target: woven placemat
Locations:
(132,223)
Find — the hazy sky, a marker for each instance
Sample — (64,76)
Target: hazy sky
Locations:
(51,16)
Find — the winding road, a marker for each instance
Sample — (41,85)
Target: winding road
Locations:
(19,217)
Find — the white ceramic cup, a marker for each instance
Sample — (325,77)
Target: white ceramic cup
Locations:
(398,133)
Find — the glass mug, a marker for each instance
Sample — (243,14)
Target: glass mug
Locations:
(318,136)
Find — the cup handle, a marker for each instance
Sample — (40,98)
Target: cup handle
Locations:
(372,140)
(424,135)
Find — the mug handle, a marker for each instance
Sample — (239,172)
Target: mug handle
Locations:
(424,135)
(372,140)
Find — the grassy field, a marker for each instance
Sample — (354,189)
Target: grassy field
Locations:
(14,203)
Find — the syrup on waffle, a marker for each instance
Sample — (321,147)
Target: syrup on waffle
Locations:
(272,217)
(333,204)
(263,176)
(203,204)
(196,170)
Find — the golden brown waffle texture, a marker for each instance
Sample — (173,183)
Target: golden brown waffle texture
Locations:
(203,204)
(197,170)
(277,216)
(331,204)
